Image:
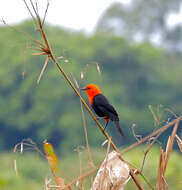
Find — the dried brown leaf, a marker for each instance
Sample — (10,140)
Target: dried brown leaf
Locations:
(54,165)
(170,145)
(179,141)
(114,171)
(160,170)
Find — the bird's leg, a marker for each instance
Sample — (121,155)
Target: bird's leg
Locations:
(105,125)
(107,121)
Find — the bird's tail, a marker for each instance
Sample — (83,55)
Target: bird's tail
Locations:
(119,128)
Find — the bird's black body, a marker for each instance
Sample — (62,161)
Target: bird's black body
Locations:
(103,108)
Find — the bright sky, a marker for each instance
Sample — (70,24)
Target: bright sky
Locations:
(75,14)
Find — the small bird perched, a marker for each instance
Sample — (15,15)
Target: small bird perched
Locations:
(101,105)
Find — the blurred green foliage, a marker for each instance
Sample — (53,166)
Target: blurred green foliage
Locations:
(142,20)
(133,77)
(33,169)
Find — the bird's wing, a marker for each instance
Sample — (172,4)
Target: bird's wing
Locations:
(102,105)
(105,107)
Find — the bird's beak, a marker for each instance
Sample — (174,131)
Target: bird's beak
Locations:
(83,89)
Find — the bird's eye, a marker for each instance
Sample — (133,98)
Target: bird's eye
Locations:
(88,88)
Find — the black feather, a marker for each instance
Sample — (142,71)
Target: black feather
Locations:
(119,128)
(103,108)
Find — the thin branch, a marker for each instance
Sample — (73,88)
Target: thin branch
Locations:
(78,150)
(23,33)
(137,137)
(36,13)
(161,130)
(45,12)
(83,176)
(30,12)
(135,179)
(148,149)
(86,137)
(84,125)
(156,119)
(36,7)
(43,69)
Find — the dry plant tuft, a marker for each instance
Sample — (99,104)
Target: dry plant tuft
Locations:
(112,174)
(170,145)
(157,119)
(164,158)
(25,144)
(83,73)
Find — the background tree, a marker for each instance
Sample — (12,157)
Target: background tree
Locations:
(133,77)
(142,20)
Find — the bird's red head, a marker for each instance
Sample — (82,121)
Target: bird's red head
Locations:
(92,90)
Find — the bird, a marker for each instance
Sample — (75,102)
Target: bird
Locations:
(101,106)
